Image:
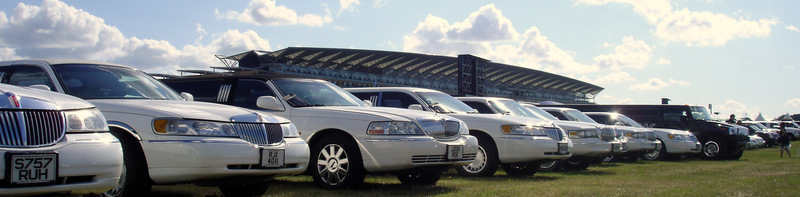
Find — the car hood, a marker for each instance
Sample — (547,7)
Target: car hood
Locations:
(30,98)
(572,125)
(183,109)
(504,119)
(379,113)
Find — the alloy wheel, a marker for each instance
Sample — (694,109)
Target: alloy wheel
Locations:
(711,149)
(479,163)
(333,164)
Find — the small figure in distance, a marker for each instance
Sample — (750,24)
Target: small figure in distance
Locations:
(784,141)
(732,120)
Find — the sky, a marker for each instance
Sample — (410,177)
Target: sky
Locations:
(738,55)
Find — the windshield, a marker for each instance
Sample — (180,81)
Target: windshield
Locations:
(90,81)
(307,93)
(700,113)
(445,103)
(759,125)
(755,127)
(511,107)
(628,121)
(576,115)
(539,112)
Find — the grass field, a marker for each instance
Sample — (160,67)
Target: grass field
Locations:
(759,173)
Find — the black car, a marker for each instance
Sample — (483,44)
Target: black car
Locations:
(720,140)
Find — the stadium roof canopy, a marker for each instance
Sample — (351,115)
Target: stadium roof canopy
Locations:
(387,68)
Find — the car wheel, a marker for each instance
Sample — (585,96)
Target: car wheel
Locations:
(521,169)
(134,180)
(421,176)
(337,163)
(735,156)
(577,165)
(712,149)
(485,163)
(655,154)
(609,158)
(256,188)
(550,166)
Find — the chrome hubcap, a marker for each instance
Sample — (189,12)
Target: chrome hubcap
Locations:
(711,149)
(479,163)
(332,164)
(652,155)
(548,165)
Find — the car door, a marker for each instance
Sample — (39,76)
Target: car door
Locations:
(26,76)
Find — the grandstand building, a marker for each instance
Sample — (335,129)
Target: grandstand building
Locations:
(465,75)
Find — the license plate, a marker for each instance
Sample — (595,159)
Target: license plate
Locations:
(33,168)
(563,148)
(272,158)
(455,152)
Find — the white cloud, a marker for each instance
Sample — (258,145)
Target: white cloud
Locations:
(57,30)
(737,108)
(663,61)
(794,102)
(267,12)
(693,28)
(788,27)
(608,99)
(379,3)
(613,78)
(348,5)
(654,84)
(631,53)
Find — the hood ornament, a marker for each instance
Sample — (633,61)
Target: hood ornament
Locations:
(13,100)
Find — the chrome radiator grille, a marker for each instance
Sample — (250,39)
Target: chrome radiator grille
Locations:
(554,133)
(31,128)
(258,133)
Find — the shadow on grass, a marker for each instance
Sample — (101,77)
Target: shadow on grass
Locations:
(589,172)
(367,188)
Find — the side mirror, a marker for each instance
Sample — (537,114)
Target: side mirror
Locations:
(41,87)
(416,107)
(269,103)
(187,97)
(369,103)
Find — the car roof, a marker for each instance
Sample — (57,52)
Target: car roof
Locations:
(241,74)
(557,108)
(56,62)
(479,98)
(413,89)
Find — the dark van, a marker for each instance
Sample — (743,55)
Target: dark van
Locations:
(720,140)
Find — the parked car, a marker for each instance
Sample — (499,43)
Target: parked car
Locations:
(167,140)
(588,145)
(348,138)
(517,144)
(756,142)
(673,142)
(720,140)
(52,142)
(769,135)
(792,128)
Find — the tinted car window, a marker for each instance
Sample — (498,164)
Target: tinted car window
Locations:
(481,107)
(370,96)
(206,91)
(602,119)
(248,91)
(558,115)
(397,99)
(28,76)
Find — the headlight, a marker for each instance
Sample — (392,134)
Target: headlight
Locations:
(394,128)
(193,128)
(462,128)
(85,120)
(582,134)
(289,130)
(677,137)
(522,130)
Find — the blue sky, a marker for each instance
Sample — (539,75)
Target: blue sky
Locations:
(735,54)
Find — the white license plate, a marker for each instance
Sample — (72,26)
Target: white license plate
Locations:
(272,158)
(33,168)
(455,152)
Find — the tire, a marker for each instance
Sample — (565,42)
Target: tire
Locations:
(521,169)
(550,166)
(575,165)
(735,156)
(256,188)
(134,180)
(486,161)
(712,149)
(343,155)
(422,176)
(655,154)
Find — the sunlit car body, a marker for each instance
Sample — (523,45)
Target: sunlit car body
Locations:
(673,142)
(46,146)
(518,152)
(167,140)
(416,146)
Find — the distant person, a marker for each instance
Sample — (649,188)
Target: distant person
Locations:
(732,120)
(784,141)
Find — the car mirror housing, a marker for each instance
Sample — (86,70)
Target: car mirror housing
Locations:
(269,103)
(416,107)
(187,97)
(40,87)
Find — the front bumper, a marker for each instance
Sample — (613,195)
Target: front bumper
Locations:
(591,147)
(95,159)
(517,148)
(195,159)
(639,145)
(393,153)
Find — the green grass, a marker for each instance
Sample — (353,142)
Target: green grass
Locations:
(759,173)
